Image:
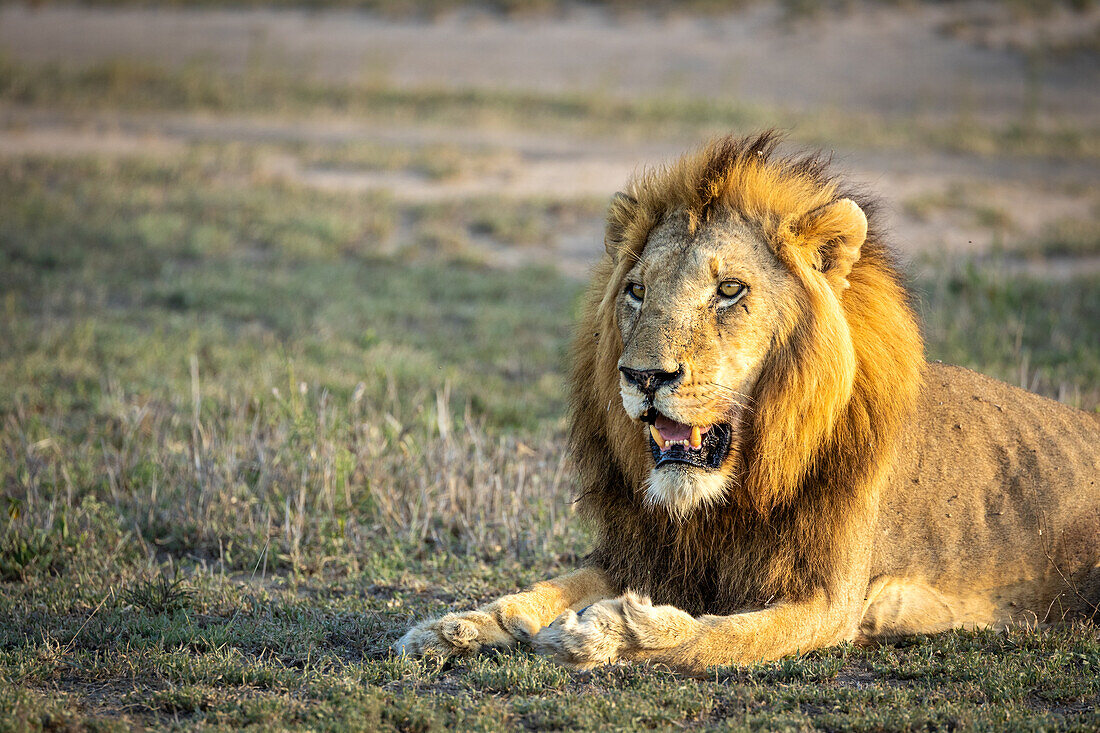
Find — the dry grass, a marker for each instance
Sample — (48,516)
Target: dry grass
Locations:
(301,483)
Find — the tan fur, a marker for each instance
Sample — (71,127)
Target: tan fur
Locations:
(866,494)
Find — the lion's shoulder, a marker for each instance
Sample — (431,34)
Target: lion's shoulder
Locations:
(954,391)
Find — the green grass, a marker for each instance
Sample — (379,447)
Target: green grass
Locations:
(249,431)
(153,262)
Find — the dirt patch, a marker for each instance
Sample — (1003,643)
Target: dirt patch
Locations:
(75,142)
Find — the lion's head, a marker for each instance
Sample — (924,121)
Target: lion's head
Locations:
(745,327)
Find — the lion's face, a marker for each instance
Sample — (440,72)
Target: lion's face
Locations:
(698,315)
(738,318)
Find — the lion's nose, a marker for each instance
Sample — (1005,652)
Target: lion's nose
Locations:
(650,380)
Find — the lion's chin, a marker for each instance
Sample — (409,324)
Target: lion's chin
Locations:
(681,489)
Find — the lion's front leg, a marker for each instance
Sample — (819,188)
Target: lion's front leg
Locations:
(507,621)
(631,628)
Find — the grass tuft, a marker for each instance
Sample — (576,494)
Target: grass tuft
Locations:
(161,595)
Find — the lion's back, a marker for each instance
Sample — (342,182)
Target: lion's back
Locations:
(994,486)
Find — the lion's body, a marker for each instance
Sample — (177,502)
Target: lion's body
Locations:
(994,502)
(835,486)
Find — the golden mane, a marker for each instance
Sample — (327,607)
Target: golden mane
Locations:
(827,407)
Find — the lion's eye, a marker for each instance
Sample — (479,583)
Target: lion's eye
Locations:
(732,289)
(636,290)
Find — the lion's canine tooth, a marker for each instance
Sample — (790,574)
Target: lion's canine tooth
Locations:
(696,438)
(657,437)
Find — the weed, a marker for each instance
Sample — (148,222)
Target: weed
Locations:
(25,552)
(160,595)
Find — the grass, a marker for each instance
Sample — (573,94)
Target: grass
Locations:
(433,162)
(1071,238)
(266,88)
(1045,335)
(962,199)
(250,430)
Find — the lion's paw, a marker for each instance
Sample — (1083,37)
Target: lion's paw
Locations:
(628,628)
(595,637)
(656,627)
(456,634)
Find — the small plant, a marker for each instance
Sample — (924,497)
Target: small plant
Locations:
(21,553)
(160,595)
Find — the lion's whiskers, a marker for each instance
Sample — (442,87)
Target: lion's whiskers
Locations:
(730,390)
(734,398)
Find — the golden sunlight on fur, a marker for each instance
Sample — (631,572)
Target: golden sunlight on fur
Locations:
(769,463)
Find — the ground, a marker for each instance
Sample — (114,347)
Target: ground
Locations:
(284,306)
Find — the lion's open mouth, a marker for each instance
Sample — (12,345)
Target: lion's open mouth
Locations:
(699,446)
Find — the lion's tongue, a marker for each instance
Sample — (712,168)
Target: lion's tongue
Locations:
(672,430)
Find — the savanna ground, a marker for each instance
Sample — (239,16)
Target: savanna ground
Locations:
(285,306)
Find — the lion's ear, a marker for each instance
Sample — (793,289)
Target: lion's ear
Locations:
(838,230)
(619,215)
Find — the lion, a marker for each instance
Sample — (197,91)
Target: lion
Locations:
(769,463)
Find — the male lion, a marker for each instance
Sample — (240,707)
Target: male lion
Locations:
(765,453)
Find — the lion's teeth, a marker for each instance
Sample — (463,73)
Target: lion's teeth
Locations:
(695,441)
(657,437)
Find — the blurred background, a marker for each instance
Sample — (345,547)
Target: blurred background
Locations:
(286,288)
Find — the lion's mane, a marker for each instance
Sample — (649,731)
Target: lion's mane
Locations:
(825,412)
